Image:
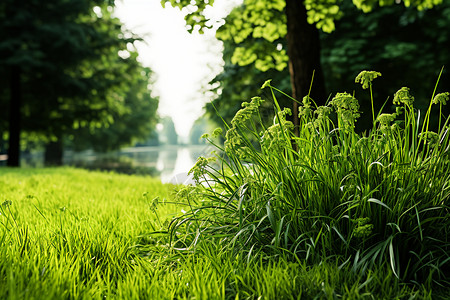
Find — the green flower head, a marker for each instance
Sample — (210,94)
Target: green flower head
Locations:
(306,101)
(256,101)
(200,167)
(247,111)
(441,98)
(347,107)
(286,112)
(323,113)
(345,101)
(233,141)
(266,84)
(186,191)
(363,228)
(402,96)
(217,132)
(366,78)
(274,139)
(305,111)
(430,137)
(386,119)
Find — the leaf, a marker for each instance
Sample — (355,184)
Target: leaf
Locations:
(376,201)
(392,258)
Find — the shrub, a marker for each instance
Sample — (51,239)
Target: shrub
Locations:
(376,198)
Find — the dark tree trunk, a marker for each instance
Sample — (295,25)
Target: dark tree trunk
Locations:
(53,155)
(14,118)
(303,47)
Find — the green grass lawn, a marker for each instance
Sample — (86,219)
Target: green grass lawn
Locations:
(73,234)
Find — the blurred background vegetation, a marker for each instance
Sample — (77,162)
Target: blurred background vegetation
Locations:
(408,46)
(71,78)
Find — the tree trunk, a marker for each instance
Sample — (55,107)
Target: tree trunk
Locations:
(303,47)
(53,155)
(14,118)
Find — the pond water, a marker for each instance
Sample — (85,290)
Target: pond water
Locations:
(172,163)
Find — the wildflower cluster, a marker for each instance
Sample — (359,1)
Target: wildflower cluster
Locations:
(217,132)
(323,113)
(430,137)
(305,111)
(366,78)
(402,96)
(441,98)
(276,137)
(328,189)
(347,107)
(199,169)
(247,111)
(234,142)
(363,228)
(233,139)
(186,191)
(385,121)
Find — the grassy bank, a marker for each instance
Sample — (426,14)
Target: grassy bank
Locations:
(73,234)
(68,233)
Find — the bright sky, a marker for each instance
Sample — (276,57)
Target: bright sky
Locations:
(183,62)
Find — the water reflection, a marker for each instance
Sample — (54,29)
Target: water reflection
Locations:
(183,163)
(172,162)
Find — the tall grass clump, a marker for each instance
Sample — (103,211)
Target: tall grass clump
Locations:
(361,199)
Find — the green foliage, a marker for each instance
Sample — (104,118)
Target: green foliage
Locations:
(323,13)
(134,122)
(168,134)
(329,193)
(84,82)
(368,5)
(201,125)
(73,234)
(266,20)
(407,46)
(196,20)
(240,83)
(257,27)
(410,40)
(56,75)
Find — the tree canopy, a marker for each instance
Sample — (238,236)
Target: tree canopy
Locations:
(68,66)
(133,123)
(389,39)
(266,20)
(297,21)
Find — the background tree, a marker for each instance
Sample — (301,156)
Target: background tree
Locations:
(296,20)
(134,123)
(201,126)
(168,134)
(23,48)
(391,39)
(409,47)
(237,83)
(70,71)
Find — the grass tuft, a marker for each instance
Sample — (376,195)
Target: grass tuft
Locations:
(360,199)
